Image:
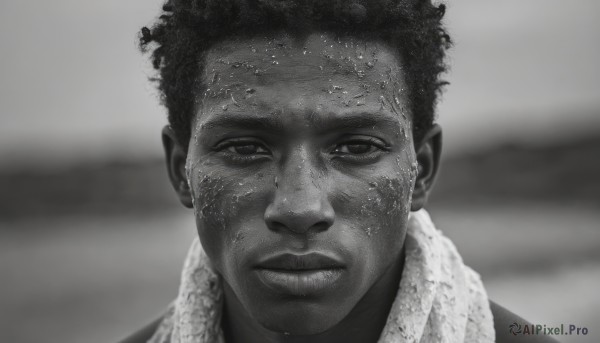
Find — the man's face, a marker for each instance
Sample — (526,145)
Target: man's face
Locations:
(301,167)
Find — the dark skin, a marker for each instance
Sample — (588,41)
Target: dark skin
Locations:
(309,147)
(503,318)
(313,155)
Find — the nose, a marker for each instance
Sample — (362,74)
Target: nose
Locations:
(300,205)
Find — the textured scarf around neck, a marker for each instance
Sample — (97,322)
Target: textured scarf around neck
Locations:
(439,298)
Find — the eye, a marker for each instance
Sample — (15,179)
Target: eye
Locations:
(355,148)
(360,150)
(360,146)
(242,150)
(247,149)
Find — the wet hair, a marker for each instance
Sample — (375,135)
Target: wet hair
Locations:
(186,29)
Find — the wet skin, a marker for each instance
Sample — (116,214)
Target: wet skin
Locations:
(302,171)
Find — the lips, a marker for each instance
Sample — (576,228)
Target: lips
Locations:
(300,275)
(292,262)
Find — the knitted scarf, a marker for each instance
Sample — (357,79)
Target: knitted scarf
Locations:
(439,298)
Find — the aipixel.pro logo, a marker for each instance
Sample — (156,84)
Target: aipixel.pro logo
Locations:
(547,330)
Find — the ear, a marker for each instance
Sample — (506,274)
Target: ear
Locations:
(428,151)
(176,156)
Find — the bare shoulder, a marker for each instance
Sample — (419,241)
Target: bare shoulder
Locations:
(504,319)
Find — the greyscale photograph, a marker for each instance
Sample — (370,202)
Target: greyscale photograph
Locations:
(300,171)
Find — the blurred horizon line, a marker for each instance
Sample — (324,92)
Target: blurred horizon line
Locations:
(565,174)
(546,134)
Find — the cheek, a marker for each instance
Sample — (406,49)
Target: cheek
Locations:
(212,194)
(376,215)
(378,202)
(222,203)
(385,205)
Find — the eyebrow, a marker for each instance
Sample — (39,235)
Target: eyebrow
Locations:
(355,120)
(360,120)
(237,121)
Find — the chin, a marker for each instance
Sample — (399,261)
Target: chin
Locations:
(299,319)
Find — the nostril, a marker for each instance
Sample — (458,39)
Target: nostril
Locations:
(321,226)
(276,226)
(297,225)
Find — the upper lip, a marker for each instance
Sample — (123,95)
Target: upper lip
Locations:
(294,262)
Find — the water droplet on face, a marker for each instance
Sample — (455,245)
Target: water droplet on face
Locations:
(368,231)
(360,103)
(215,77)
(415,168)
(360,56)
(337,87)
(258,72)
(250,91)
(396,100)
(274,62)
(320,67)
(234,102)
(253,49)
(224,107)
(370,65)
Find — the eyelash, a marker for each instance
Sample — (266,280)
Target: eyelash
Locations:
(228,149)
(370,143)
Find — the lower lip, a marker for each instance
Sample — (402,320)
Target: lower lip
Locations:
(302,282)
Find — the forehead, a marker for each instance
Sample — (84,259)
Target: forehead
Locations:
(321,75)
(349,54)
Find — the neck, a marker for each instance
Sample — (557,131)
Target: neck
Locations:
(363,324)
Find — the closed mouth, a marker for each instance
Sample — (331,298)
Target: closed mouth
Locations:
(300,263)
(301,275)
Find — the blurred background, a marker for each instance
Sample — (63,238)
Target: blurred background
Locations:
(92,238)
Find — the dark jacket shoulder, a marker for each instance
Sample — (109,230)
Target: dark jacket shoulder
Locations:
(503,319)
(144,334)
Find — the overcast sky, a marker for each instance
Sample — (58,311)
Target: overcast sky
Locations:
(73,85)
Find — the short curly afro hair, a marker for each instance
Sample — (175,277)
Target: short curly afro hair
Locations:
(186,29)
